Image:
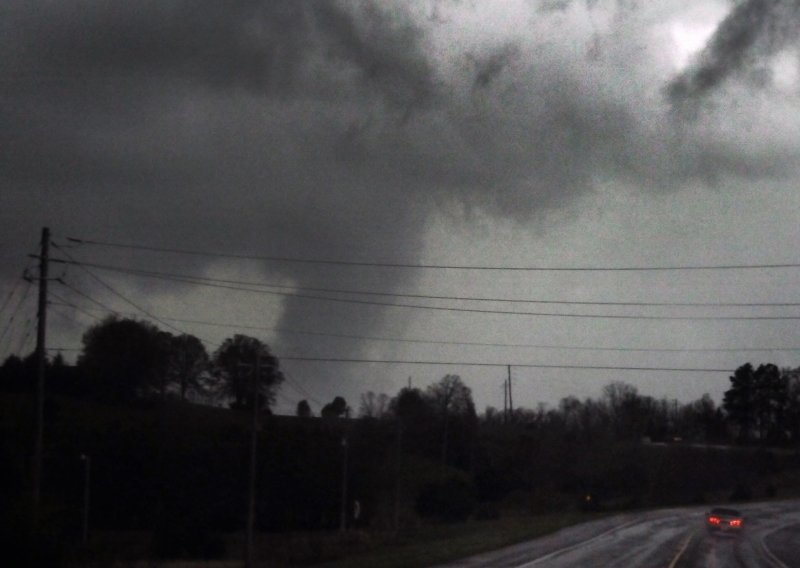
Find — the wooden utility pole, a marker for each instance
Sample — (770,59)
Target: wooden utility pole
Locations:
(505,401)
(87,477)
(251,494)
(343,506)
(510,397)
(41,361)
(397,472)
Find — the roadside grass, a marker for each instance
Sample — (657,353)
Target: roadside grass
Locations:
(425,545)
(437,544)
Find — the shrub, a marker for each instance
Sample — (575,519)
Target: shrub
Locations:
(451,500)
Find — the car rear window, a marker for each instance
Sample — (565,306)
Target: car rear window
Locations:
(726,512)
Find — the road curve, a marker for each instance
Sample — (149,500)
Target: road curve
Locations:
(668,538)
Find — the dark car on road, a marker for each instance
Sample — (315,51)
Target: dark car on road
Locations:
(724,520)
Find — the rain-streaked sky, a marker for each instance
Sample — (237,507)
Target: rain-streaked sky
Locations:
(423,135)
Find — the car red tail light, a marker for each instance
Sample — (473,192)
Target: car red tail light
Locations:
(736,523)
(714,520)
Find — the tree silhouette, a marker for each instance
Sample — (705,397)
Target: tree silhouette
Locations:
(234,364)
(124,358)
(758,402)
(410,406)
(188,362)
(770,401)
(303,409)
(792,418)
(373,405)
(17,375)
(739,401)
(335,409)
(627,409)
(450,398)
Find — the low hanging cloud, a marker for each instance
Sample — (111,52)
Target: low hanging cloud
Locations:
(340,129)
(753,31)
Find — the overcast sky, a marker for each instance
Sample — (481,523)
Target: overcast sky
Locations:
(538,133)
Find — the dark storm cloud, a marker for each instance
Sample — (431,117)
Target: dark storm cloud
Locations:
(553,5)
(387,48)
(292,106)
(315,129)
(489,67)
(753,30)
(257,45)
(268,46)
(217,126)
(561,5)
(76,70)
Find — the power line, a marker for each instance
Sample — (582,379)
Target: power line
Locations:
(240,325)
(28,327)
(73,306)
(16,310)
(284,398)
(191,278)
(7,301)
(24,278)
(86,311)
(468,310)
(301,389)
(528,345)
(521,365)
(84,295)
(119,295)
(483,344)
(130,302)
(430,266)
(66,317)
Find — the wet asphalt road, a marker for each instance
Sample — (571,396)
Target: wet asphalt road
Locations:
(673,538)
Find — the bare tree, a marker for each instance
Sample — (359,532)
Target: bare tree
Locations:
(373,405)
(450,397)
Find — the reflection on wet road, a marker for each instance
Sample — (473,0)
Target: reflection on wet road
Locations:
(674,538)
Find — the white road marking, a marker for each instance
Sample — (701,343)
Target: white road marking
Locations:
(581,544)
(774,559)
(681,551)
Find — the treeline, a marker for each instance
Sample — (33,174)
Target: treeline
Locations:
(125,360)
(764,404)
(611,448)
(167,463)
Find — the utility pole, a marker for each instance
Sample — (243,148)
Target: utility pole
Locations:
(505,401)
(343,507)
(251,494)
(510,397)
(40,370)
(87,476)
(397,471)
